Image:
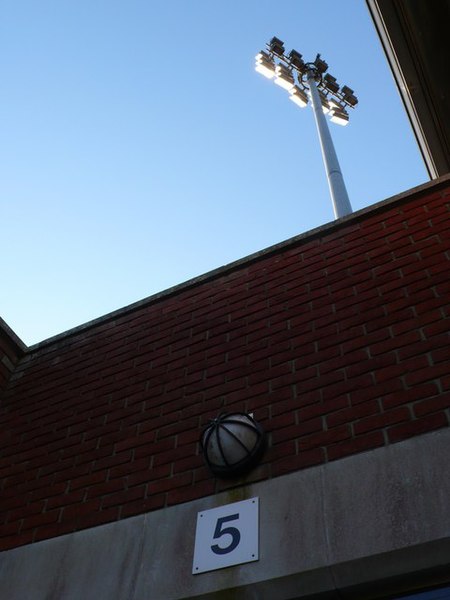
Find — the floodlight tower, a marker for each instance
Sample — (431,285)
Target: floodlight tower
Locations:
(303,80)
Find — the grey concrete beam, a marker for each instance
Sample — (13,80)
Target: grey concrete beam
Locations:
(369,525)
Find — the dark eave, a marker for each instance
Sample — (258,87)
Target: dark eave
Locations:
(415,38)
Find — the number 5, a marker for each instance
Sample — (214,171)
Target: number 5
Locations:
(219,532)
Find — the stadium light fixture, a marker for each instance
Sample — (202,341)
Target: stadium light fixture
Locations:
(276,46)
(339,116)
(310,80)
(265,64)
(299,96)
(284,77)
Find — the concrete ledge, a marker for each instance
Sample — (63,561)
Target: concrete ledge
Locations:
(370,525)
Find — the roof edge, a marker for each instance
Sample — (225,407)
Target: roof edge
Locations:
(219,271)
(378,19)
(15,339)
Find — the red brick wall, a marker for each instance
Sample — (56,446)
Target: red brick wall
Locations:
(337,341)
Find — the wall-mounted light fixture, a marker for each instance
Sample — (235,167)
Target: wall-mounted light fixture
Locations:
(232,444)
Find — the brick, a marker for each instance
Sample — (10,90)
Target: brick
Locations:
(98,518)
(105,488)
(201,474)
(352,413)
(431,405)
(180,427)
(436,328)
(417,322)
(375,365)
(187,437)
(257,404)
(441,355)
(30,486)
(148,474)
(286,448)
(55,467)
(87,480)
(171,483)
(155,448)
(300,461)
(84,458)
(10,529)
(362,340)
(66,499)
(379,421)
(423,346)
(404,396)
(324,438)
(394,343)
(281,405)
(328,406)
(296,431)
(343,361)
(76,511)
(33,508)
(427,308)
(407,366)
(143,505)
(320,383)
(173,455)
(49,491)
(52,530)
(427,373)
(417,426)
(14,541)
(13,501)
(283,420)
(12,481)
(134,442)
(112,461)
(123,496)
(332,393)
(445,382)
(40,519)
(370,441)
(257,474)
(187,494)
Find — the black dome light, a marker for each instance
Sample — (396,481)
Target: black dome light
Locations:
(232,444)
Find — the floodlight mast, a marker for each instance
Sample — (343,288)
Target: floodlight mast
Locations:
(338,191)
(326,97)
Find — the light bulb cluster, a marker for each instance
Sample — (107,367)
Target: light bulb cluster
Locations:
(291,73)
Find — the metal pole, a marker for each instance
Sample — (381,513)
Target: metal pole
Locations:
(338,191)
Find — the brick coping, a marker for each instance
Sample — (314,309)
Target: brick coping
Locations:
(15,339)
(218,272)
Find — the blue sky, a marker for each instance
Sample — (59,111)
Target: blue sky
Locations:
(139,147)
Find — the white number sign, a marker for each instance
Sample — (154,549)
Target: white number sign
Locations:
(226,535)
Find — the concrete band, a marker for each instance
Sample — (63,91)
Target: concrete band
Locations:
(369,525)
